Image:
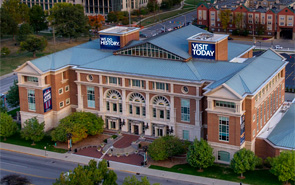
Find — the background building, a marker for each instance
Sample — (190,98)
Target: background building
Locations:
(188,82)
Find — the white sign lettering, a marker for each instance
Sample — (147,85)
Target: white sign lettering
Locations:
(201,49)
(109,42)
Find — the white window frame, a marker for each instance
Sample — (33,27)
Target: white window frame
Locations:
(68,101)
(31,105)
(60,91)
(185,110)
(67,88)
(90,93)
(61,104)
(220,127)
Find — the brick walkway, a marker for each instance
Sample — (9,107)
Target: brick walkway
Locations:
(125,141)
(134,159)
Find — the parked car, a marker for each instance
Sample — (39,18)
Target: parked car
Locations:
(229,38)
(143,35)
(278,47)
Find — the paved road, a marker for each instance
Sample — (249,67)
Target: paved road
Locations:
(6,83)
(44,171)
(268,44)
(171,24)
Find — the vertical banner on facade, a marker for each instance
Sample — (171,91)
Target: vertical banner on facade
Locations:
(203,50)
(47,99)
(242,136)
(109,42)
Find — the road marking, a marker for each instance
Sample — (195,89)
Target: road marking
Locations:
(11,171)
(13,164)
(289,75)
(22,152)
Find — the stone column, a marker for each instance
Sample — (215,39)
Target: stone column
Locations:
(156,131)
(140,128)
(147,105)
(117,124)
(132,127)
(80,98)
(125,127)
(109,123)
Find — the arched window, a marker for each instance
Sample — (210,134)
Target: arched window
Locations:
(136,104)
(113,101)
(161,108)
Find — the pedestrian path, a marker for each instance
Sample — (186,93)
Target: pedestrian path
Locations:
(70,157)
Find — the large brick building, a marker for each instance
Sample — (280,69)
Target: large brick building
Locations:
(271,22)
(188,82)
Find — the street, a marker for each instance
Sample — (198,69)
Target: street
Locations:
(44,171)
(5,83)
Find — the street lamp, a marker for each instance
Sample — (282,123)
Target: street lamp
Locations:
(69,136)
(45,150)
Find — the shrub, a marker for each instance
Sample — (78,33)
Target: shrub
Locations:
(33,130)
(105,140)
(5,51)
(7,126)
(114,136)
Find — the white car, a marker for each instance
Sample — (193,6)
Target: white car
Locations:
(278,47)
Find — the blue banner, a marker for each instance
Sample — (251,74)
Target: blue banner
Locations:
(203,50)
(47,99)
(109,42)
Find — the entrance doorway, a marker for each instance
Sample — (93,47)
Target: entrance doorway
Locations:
(136,129)
(160,132)
(113,124)
(286,33)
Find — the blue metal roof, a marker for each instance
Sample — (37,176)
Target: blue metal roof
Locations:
(283,135)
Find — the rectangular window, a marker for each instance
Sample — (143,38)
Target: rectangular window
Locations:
(154,113)
(161,114)
(108,106)
(60,91)
(168,114)
(143,111)
(137,110)
(223,129)
(67,88)
(257,119)
(185,110)
(61,104)
(31,100)
(225,104)
(113,80)
(115,107)
(130,109)
(261,116)
(32,79)
(136,83)
(160,86)
(68,101)
(120,107)
(185,134)
(90,97)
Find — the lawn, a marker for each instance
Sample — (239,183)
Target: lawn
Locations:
(193,2)
(257,177)
(16,58)
(46,141)
(164,16)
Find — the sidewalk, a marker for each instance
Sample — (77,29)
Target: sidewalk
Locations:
(115,165)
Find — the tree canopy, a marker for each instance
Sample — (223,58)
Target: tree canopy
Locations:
(80,125)
(7,126)
(12,96)
(283,166)
(17,10)
(134,181)
(96,21)
(243,161)
(33,44)
(225,18)
(33,130)
(69,20)
(13,179)
(200,154)
(37,18)
(165,147)
(24,30)
(8,24)
(91,174)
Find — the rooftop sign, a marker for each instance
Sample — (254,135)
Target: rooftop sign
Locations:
(203,50)
(109,42)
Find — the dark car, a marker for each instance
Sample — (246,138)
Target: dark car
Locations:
(143,35)
(229,38)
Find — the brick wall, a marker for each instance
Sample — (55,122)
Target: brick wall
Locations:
(264,150)
(177,105)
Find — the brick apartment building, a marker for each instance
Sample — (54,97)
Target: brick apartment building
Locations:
(272,22)
(188,82)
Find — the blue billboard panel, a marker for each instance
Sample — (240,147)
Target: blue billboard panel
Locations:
(47,99)
(109,42)
(203,50)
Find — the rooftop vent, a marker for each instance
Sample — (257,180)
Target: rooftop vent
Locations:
(204,36)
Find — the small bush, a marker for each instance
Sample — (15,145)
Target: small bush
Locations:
(139,145)
(5,51)
(114,136)
(105,140)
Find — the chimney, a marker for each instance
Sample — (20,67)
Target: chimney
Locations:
(208,46)
(117,37)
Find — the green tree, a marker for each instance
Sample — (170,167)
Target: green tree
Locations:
(165,147)
(18,10)
(69,20)
(12,96)
(33,130)
(24,30)
(225,18)
(89,174)
(38,18)
(112,17)
(3,108)
(243,161)
(238,20)
(200,154)
(8,24)
(153,5)
(80,125)
(134,181)
(15,179)
(33,44)
(283,166)
(7,126)
(5,51)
